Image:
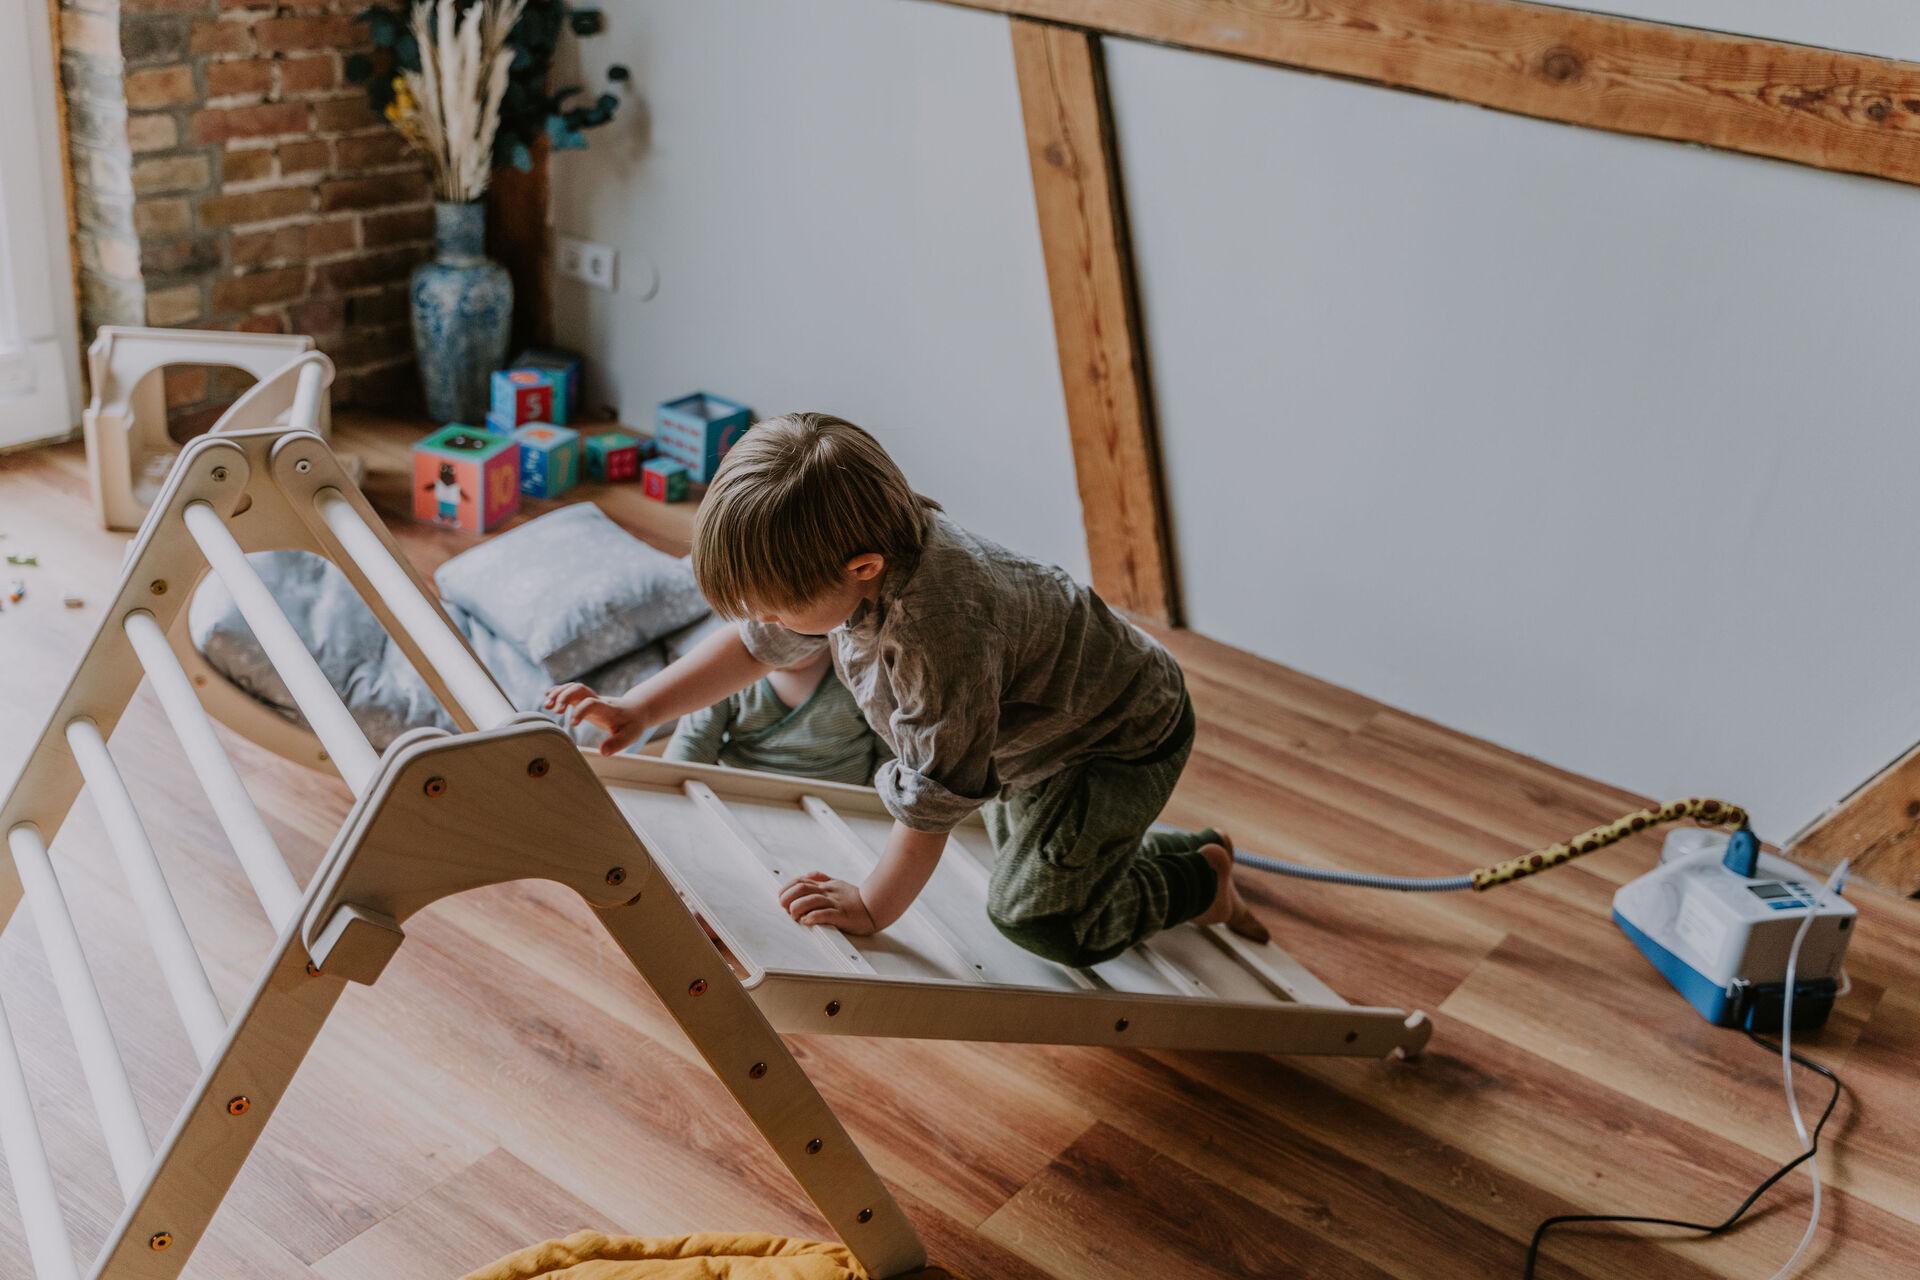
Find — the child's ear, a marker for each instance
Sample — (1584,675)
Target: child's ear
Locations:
(865,568)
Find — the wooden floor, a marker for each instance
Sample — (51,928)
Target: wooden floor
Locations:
(510,1079)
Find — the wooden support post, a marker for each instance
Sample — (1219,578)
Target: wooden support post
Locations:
(1096,317)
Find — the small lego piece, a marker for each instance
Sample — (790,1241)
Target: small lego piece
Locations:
(73,600)
(16,591)
(13,558)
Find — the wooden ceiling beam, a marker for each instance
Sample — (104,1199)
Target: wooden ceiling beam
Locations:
(1813,106)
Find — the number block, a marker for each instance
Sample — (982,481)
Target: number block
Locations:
(465,478)
(549,459)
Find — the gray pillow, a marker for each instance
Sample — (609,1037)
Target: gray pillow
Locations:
(368,671)
(572,590)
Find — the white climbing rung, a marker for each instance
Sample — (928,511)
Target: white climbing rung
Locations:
(304,414)
(353,757)
(465,678)
(46,1228)
(253,844)
(106,1074)
(180,966)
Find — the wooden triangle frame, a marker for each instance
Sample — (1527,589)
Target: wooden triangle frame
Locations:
(646,843)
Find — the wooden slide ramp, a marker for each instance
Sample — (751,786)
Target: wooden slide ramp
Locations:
(944,971)
(654,847)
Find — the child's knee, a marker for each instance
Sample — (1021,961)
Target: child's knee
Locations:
(1053,938)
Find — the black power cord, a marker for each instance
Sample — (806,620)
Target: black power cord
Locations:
(1533,1249)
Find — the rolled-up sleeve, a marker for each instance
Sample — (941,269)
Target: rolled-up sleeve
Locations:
(776,646)
(944,725)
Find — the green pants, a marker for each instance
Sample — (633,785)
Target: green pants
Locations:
(1077,877)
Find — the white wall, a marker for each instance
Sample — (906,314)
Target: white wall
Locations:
(1598,447)
(1885,28)
(836,196)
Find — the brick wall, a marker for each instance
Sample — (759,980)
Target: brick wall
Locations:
(234,180)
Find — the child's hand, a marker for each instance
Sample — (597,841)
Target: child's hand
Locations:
(817,898)
(576,704)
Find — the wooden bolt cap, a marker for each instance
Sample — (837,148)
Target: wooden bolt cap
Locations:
(436,787)
(865,1215)
(757,1071)
(698,987)
(161,1241)
(617,876)
(1121,1025)
(813,1146)
(238,1107)
(158,586)
(537,767)
(833,1008)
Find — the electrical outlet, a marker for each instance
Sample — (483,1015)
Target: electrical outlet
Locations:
(596,264)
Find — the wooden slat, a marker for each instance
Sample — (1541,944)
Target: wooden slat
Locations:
(1083,235)
(1878,826)
(1813,106)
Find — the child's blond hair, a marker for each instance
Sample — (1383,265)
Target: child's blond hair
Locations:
(796,499)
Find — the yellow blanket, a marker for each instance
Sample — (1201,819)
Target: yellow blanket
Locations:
(710,1255)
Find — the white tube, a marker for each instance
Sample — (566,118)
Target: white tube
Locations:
(305,413)
(180,965)
(106,1074)
(253,844)
(465,678)
(47,1242)
(332,723)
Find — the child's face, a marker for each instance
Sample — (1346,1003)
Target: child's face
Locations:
(859,581)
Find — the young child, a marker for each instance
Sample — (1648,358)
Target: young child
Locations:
(800,719)
(999,683)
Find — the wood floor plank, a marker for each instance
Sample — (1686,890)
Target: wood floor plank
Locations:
(1110,1206)
(1338,1168)
(485,1211)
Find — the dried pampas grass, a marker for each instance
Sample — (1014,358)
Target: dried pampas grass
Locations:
(449,110)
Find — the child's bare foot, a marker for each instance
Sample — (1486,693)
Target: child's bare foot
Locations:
(1229,908)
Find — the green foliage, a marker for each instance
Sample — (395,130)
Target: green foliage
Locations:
(529,107)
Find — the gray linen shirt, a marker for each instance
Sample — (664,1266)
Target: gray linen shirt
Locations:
(987,673)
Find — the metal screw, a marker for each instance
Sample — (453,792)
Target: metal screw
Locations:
(617,876)
(537,767)
(436,786)
(303,466)
(238,1107)
(833,1007)
(865,1215)
(698,987)
(219,473)
(757,1071)
(161,1241)
(158,586)
(1121,1025)
(813,1146)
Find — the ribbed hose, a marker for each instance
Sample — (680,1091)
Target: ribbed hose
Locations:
(1700,808)
(1357,879)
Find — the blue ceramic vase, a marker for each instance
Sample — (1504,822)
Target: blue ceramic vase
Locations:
(462,314)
